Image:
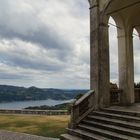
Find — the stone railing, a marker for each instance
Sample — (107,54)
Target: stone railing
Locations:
(115,95)
(81,108)
(137,95)
(35,112)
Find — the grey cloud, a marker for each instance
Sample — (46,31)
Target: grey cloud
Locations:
(11,76)
(81,7)
(41,24)
(25,24)
(46,37)
(26,62)
(64,65)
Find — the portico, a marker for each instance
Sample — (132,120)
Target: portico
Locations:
(125,13)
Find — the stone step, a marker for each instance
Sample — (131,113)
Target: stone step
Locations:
(106,133)
(69,137)
(116,116)
(85,135)
(107,124)
(112,128)
(121,112)
(125,124)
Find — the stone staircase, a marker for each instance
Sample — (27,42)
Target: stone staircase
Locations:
(107,124)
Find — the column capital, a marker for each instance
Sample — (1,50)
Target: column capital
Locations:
(93,3)
(103,25)
(93,6)
(100,25)
(124,36)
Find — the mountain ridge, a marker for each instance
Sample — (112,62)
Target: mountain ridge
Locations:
(9,93)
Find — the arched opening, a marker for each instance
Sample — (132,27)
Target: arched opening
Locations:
(136,56)
(136,51)
(113,49)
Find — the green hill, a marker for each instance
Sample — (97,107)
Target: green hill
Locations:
(14,93)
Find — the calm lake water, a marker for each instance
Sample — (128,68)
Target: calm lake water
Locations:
(24,104)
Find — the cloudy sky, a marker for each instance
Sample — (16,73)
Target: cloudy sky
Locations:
(45,43)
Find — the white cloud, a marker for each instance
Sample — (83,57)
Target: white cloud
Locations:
(45,43)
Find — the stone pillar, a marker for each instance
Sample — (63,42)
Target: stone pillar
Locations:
(126,67)
(94,55)
(99,62)
(104,70)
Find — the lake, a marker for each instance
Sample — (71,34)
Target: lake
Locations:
(24,104)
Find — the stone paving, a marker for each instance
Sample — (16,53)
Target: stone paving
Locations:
(6,135)
(133,108)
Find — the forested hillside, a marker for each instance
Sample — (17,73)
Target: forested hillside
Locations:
(14,93)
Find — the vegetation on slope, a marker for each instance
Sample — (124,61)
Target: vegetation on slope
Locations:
(13,93)
(64,106)
(137,85)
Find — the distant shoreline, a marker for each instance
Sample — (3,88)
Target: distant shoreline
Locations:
(24,104)
(13,93)
(29,100)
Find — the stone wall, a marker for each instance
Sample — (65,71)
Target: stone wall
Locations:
(137,95)
(35,112)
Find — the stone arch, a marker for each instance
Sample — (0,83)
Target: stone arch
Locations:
(113,52)
(125,47)
(136,42)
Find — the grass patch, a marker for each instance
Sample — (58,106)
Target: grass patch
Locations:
(48,126)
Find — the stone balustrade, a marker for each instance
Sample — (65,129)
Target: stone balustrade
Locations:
(137,95)
(35,112)
(81,108)
(115,95)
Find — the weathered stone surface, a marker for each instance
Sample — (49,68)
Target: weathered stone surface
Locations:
(99,56)
(114,123)
(125,15)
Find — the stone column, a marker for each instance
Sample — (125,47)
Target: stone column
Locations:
(94,52)
(99,54)
(126,67)
(104,70)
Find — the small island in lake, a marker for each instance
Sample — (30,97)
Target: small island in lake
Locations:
(64,106)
